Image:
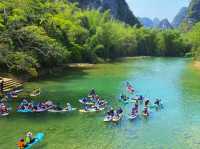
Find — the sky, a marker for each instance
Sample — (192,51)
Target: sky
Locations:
(157,8)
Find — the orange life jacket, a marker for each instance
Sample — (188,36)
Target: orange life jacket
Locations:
(21,144)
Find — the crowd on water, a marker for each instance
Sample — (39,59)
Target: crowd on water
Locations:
(91,103)
(136,100)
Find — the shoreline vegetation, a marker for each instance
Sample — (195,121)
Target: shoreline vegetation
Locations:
(57,70)
(37,37)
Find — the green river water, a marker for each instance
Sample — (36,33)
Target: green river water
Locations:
(177,126)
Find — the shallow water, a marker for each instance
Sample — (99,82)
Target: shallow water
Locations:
(176,126)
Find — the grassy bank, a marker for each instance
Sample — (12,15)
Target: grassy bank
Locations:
(196,64)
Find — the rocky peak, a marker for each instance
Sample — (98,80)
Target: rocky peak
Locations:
(119,9)
(180,17)
(146,22)
(194,11)
(164,24)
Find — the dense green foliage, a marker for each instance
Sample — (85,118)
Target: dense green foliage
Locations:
(38,34)
(194,39)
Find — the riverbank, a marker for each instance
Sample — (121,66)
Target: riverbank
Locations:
(80,65)
(71,67)
(90,65)
(196,64)
(44,73)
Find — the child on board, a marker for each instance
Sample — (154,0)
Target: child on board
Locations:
(21,144)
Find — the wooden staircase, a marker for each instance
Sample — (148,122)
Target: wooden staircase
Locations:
(9,84)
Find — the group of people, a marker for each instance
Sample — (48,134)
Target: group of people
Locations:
(93,101)
(138,99)
(15,92)
(25,105)
(23,142)
(146,106)
(115,113)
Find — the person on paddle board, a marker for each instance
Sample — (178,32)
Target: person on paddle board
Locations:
(124,97)
(92,92)
(119,111)
(30,106)
(136,106)
(29,138)
(157,102)
(69,107)
(86,108)
(146,111)
(24,102)
(146,103)
(3,108)
(111,112)
(133,111)
(141,98)
(21,144)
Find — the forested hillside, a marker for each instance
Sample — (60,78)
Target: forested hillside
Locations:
(43,34)
(193,21)
(194,39)
(190,16)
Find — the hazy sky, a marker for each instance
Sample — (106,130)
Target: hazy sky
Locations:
(157,8)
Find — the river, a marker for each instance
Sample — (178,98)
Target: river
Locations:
(177,126)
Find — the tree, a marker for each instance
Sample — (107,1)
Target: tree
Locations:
(20,62)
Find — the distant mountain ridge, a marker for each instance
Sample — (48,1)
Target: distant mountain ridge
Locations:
(119,9)
(146,22)
(180,17)
(188,16)
(149,23)
(155,23)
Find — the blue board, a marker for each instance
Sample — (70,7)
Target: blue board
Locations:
(38,138)
(24,111)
